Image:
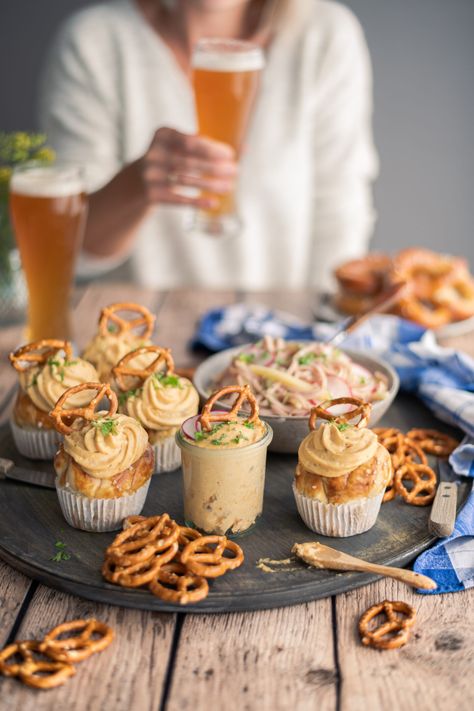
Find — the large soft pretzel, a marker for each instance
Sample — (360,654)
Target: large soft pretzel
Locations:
(122,369)
(394,632)
(243,394)
(59,414)
(109,314)
(38,352)
(361,409)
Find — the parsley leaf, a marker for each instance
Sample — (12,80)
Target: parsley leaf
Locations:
(342,426)
(123,397)
(218,440)
(250,425)
(106,425)
(61,553)
(246,357)
(168,381)
(362,380)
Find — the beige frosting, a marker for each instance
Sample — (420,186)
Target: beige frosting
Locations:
(105,455)
(230,435)
(330,451)
(46,383)
(105,352)
(159,406)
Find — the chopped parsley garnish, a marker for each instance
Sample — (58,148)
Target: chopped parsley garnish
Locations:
(61,552)
(123,397)
(106,425)
(60,366)
(168,381)
(112,328)
(246,357)
(250,425)
(342,426)
(362,380)
(236,440)
(199,436)
(33,381)
(218,440)
(310,357)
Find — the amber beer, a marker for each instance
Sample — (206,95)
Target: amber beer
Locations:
(225,78)
(48,208)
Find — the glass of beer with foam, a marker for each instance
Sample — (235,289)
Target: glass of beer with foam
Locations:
(48,208)
(225,76)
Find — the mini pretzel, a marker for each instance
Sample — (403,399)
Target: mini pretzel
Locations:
(52,673)
(141,541)
(243,393)
(77,647)
(59,414)
(175,583)
(134,576)
(390,492)
(38,352)
(163,355)
(394,632)
(433,442)
(200,561)
(109,313)
(361,409)
(423,478)
(131,521)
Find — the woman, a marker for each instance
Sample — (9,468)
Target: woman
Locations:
(117,98)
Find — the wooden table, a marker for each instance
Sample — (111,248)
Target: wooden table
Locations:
(303,657)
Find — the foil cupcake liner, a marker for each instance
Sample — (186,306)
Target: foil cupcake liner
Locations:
(167,456)
(99,515)
(338,520)
(35,444)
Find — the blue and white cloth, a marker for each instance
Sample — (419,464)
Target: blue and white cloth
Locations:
(442,377)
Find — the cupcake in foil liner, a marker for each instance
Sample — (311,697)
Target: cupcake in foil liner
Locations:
(99,515)
(338,520)
(35,443)
(167,456)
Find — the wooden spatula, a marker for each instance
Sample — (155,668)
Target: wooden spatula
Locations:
(320,556)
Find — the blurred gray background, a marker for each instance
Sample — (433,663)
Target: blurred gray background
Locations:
(423,58)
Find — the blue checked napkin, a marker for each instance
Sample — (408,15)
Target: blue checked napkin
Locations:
(441,377)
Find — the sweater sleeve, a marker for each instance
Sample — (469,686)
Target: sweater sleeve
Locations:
(345,161)
(79,112)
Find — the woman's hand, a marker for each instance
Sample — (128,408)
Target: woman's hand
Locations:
(177,160)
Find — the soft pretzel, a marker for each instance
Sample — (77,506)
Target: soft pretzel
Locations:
(38,352)
(361,409)
(243,394)
(59,414)
(78,646)
(394,632)
(109,316)
(122,369)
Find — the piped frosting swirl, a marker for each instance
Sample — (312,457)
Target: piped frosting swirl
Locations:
(333,450)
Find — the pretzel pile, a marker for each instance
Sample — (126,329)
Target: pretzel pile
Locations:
(173,561)
(408,453)
(47,663)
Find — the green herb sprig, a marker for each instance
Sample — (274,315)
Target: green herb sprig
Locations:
(106,425)
(61,552)
(168,381)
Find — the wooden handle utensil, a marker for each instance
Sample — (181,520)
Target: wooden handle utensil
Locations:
(320,556)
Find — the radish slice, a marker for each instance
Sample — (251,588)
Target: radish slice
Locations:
(189,427)
(338,387)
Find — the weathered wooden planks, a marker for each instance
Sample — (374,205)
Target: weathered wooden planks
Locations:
(275,660)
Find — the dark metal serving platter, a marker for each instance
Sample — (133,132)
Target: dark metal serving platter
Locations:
(31,523)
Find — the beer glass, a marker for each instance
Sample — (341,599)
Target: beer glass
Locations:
(225,75)
(48,208)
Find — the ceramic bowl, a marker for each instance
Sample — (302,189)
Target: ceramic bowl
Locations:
(288,432)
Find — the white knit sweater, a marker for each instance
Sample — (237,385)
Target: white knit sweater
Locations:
(305,180)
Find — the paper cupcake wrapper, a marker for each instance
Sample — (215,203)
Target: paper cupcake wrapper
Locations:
(167,456)
(338,520)
(36,444)
(99,515)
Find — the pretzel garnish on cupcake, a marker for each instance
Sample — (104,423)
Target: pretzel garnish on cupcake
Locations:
(175,583)
(393,633)
(109,318)
(38,352)
(79,646)
(59,413)
(243,394)
(361,409)
(122,369)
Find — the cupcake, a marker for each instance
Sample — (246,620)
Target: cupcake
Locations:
(224,459)
(104,464)
(342,471)
(158,398)
(116,336)
(46,369)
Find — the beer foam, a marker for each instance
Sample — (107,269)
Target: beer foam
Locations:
(46,182)
(228,56)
